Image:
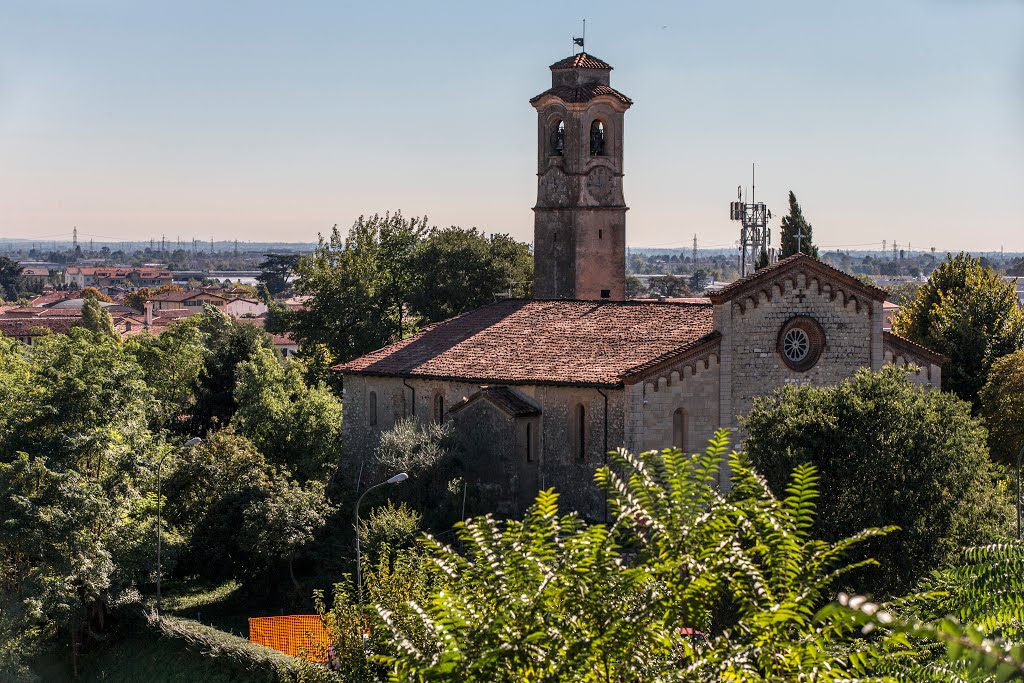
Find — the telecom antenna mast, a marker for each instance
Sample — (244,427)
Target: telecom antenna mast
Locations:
(754,234)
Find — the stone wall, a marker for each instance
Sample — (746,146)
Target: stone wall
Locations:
(690,385)
(556,460)
(751,362)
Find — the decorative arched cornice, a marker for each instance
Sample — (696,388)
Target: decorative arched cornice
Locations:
(788,268)
(776,287)
(696,358)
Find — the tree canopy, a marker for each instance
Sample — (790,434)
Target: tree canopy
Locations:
(276,272)
(390,273)
(969,313)
(793,224)
(1002,406)
(888,453)
(12,284)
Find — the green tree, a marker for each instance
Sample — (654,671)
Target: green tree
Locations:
(888,453)
(634,287)
(276,271)
(970,314)
(97,320)
(77,510)
(359,286)
(388,528)
(792,225)
(458,270)
(1002,406)
(12,284)
(279,524)
(671,286)
(295,425)
(208,488)
(228,344)
(172,364)
(92,292)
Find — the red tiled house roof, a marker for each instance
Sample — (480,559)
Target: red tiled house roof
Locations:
(183,295)
(546,342)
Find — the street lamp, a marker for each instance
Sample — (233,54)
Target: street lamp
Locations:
(159,520)
(398,478)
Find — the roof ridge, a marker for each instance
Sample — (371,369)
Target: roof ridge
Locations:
(581,60)
(731,289)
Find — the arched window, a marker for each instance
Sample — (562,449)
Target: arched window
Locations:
(597,139)
(371,410)
(679,429)
(439,408)
(529,442)
(580,433)
(557,142)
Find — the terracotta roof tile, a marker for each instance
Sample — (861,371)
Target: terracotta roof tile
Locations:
(19,327)
(544,342)
(903,345)
(502,397)
(582,93)
(581,60)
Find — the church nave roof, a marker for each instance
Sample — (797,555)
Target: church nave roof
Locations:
(544,342)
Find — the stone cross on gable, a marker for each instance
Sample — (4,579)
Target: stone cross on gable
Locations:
(799,239)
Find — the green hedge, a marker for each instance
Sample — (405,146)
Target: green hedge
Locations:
(258,663)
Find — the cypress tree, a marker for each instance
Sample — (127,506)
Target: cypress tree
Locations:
(791,225)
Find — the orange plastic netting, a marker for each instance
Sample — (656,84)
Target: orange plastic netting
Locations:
(299,635)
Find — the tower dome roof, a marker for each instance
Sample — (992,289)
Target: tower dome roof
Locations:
(581,60)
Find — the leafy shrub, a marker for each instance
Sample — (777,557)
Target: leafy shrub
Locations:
(256,661)
(413,447)
(394,527)
(888,453)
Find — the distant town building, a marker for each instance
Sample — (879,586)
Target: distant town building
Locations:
(36,278)
(104,277)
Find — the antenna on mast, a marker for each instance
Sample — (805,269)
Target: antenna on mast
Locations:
(754,234)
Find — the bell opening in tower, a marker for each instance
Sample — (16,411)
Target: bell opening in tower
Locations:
(597,139)
(558,139)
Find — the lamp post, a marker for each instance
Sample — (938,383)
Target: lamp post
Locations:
(398,478)
(159,520)
(1020,454)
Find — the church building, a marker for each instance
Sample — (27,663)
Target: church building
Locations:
(539,391)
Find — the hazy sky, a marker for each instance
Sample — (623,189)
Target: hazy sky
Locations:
(894,119)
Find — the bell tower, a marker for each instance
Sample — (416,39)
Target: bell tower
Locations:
(579,233)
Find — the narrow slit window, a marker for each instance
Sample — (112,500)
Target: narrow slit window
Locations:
(439,408)
(372,408)
(529,442)
(679,429)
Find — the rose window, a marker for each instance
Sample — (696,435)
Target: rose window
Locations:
(796,345)
(801,342)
